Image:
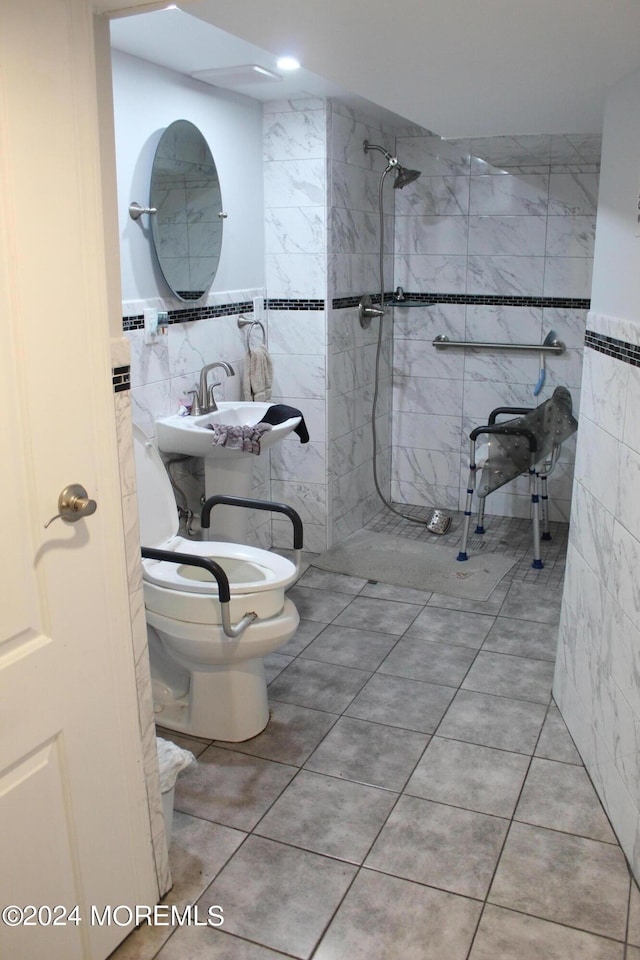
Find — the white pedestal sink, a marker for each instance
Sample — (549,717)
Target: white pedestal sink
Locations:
(226,471)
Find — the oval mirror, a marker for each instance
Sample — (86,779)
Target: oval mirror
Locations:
(187,229)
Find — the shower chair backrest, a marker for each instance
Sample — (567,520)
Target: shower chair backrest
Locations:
(515,445)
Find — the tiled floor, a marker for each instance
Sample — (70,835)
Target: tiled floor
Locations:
(416,795)
(507,536)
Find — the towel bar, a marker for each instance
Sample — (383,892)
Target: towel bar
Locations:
(442,342)
(243,322)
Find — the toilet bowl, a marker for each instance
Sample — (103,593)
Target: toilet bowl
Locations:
(207,637)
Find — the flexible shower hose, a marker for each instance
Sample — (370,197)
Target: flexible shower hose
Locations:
(387,504)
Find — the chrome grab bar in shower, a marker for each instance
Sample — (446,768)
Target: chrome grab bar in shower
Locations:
(442,342)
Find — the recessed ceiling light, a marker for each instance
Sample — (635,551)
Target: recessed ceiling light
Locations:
(288,63)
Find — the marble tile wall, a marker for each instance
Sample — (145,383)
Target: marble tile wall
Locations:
(493,220)
(597,681)
(354,269)
(120,360)
(295,193)
(322,241)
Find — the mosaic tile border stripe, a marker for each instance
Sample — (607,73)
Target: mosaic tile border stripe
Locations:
(188,314)
(121,379)
(612,347)
(571,303)
(275,303)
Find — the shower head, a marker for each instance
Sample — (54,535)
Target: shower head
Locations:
(403,175)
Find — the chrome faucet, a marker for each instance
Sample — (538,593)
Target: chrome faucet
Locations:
(204,400)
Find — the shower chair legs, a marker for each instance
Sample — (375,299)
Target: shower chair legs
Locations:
(539,502)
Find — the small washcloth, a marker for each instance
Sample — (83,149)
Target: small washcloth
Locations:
(258,374)
(245,438)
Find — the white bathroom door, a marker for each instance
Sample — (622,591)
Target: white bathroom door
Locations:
(74,823)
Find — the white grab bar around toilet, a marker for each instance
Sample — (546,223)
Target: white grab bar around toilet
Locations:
(210,503)
(216,571)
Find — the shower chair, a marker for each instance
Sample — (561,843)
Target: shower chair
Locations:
(529,443)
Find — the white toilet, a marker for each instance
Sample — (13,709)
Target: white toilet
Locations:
(205,682)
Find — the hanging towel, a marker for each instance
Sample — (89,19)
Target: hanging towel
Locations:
(279,412)
(258,374)
(245,438)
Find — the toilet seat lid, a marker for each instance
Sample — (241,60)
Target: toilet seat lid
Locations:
(157,511)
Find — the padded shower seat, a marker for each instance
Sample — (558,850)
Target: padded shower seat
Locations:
(529,443)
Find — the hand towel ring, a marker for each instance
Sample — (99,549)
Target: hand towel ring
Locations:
(243,322)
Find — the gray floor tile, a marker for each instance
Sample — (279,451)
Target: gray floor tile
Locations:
(424,660)
(231,788)
(318,605)
(467,775)
(633,953)
(327,815)
(292,734)
(385,918)
(441,846)
(204,943)
(199,850)
(142,944)
(493,721)
(561,796)
(279,896)
(389,591)
(555,741)
(633,936)
(386,616)
(364,649)
(490,606)
(451,626)
(368,753)
(307,631)
(582,883)
(333,582)
(507,676)
(402,702)
(527,602)
(523,638)
(274,663)
(505,935)
(320,686)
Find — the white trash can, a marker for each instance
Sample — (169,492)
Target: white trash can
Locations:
(171,760)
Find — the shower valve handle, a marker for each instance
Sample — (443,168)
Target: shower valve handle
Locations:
(366,312)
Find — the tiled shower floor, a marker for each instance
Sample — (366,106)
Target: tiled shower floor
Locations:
(416,795)
(510,537)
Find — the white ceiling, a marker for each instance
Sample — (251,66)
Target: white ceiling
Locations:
(188,45)
(458,67)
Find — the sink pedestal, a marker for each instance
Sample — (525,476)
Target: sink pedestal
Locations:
(233,478)
(226,470)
